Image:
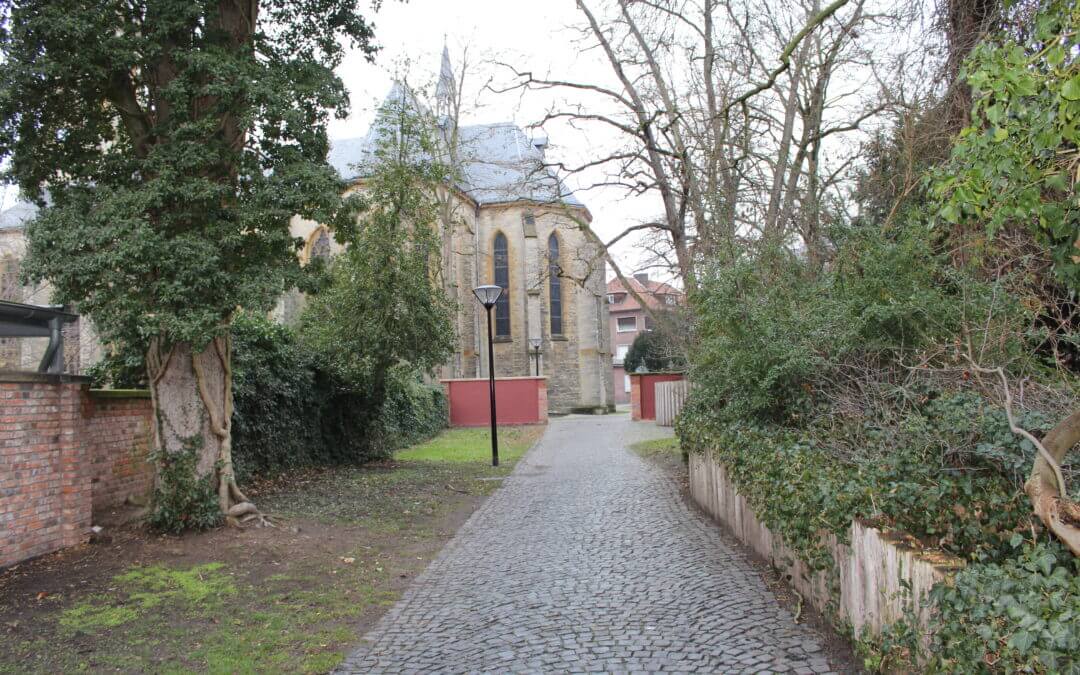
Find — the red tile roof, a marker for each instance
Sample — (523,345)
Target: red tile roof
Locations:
(653,293)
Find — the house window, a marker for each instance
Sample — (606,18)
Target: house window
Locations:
(620,353)
(669,299)
(626,324)
(648,322)
(555,285)
(611,298)
(502,280)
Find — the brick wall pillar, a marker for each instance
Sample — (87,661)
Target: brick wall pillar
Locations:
(542,400)
(76,491)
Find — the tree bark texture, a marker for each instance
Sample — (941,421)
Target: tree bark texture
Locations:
(193,405)
(1060,514)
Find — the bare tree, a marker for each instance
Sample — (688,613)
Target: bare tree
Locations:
(723,111)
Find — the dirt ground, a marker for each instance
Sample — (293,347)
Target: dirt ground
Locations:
(289,599)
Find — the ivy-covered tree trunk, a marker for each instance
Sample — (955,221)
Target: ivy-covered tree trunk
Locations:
(191,390)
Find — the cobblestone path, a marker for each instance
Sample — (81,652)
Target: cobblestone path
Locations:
(587,559)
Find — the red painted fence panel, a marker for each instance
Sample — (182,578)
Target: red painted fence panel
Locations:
(518,400)
(643,393)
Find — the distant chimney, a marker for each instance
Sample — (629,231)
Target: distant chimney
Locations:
(643,277)
(540,143)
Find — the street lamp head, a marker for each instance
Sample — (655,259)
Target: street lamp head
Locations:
(535,343)
(487,295)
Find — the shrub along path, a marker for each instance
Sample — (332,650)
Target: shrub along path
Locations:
(289,600)
(589,560)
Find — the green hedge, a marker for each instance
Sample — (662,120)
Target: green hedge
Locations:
(289,412)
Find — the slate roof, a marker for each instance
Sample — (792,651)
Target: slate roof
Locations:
(499,164)
(17,215)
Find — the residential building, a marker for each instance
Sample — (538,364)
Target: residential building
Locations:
(629,319)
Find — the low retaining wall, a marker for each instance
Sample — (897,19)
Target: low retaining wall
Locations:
(875,578)
(643,393)
(670,397)
(518,400)
(63,454)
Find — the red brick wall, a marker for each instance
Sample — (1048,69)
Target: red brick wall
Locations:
(52,443)
(116,427)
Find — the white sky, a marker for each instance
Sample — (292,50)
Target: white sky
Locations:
(535,36)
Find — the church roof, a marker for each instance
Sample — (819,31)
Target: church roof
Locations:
(17,215)
(499,164)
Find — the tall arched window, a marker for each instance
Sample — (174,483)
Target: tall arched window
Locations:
(555,285)
(320,247)
(502,280)
(10,289)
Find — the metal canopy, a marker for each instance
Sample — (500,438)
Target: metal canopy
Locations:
(20,320)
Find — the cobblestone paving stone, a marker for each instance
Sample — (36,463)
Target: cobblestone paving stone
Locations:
(588,560)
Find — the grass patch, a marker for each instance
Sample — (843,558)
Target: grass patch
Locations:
(471,445)
(658,447)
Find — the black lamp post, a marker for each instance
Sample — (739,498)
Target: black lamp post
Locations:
(535,344)
(488,295)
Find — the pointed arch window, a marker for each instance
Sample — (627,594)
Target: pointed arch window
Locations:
(555,285)
(320,247)
(502,280)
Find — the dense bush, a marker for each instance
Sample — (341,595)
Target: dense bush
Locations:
(771,335)
(277,411)
(290,412)
(843,395)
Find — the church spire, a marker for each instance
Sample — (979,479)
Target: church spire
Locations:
(446,91)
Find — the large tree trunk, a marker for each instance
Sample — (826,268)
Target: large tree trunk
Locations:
(193,406)
(1059,513)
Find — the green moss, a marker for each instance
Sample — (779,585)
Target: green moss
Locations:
(89,617)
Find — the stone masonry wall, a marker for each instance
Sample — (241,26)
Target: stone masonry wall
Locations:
(53,441)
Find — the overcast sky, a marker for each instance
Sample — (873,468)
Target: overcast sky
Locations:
(535,36)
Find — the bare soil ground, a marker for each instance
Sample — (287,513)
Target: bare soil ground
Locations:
(288,599)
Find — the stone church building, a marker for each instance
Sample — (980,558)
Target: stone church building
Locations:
(507,221)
